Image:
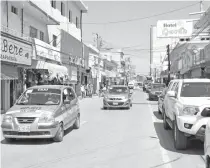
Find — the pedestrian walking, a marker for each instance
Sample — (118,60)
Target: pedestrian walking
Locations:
(83,91)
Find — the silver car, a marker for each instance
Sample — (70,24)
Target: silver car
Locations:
(42,112)
(117,96)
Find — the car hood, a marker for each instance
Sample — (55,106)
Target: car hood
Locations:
(195,101)
(32,110)
(110,95)
(157,89)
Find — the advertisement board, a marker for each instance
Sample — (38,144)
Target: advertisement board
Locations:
(47,51)
(174,28)
(15,52)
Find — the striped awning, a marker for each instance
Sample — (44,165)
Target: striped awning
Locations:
(6,77)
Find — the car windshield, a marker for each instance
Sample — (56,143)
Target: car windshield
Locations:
(195,90)
(157,86)
(118,90)
(40,96)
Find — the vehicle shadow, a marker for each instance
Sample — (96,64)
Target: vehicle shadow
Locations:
(113,109)
(34,141)
(28,142)
(165,137)
(157,115)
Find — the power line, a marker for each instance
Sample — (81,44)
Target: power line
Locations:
(142,18)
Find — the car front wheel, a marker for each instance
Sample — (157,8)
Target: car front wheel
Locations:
(180,140)
(165,124)
(60,134)
(207,162)
(77,122)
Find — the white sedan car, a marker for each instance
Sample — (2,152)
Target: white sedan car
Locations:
(207,145)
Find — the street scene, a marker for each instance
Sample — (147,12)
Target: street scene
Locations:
(105,84)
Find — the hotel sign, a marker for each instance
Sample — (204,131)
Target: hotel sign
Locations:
(174,28)
(15,52)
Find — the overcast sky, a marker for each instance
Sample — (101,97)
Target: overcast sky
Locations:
(135,33)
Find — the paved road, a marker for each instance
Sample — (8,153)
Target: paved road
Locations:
(132,138)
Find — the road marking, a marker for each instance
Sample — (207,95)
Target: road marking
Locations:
(164,153)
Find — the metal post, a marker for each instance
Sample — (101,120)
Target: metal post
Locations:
(169,65)
(151,48)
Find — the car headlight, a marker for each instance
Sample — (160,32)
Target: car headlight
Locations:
(190,110)
(46,119)
(105,97)
(7,118)
(125,98)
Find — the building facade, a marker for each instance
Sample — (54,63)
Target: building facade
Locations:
(42,44)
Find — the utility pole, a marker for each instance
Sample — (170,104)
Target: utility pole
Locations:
(151,48)
(169,65)
(99,59)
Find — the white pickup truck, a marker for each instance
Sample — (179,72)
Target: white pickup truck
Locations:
(186,109)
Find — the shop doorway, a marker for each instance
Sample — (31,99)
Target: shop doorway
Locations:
(12,84)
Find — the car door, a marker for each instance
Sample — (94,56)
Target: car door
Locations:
(66,117)
(73,105)
(167,98)
(172,102)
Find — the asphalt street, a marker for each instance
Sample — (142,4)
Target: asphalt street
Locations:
(132,138)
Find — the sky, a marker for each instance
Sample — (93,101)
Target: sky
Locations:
(135,33)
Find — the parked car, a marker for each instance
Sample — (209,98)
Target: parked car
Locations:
(42,112)
(140,84)
(117,96)
(131,85)
(161,99)
(148,87)
(186,109)
(207,144)
(156,90)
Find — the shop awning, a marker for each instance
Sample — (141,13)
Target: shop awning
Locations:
(55,70)
(8,72)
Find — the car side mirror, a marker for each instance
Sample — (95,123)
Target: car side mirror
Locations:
(171,94)
(66,102)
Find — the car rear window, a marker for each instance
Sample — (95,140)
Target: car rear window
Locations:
(196,89)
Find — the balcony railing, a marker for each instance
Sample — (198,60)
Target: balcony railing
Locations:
(15,33)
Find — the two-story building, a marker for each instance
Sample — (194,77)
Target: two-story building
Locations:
(18,18)
(42,43)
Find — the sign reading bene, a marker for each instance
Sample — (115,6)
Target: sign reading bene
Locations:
(174,28)
(15,52)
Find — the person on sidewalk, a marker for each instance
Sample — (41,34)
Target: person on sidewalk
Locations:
(83,91)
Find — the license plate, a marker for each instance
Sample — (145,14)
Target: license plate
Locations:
(24,128)
(115,104)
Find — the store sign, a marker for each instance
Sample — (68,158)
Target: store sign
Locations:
(73,73)
(47,51)
(174,28)
(15,52)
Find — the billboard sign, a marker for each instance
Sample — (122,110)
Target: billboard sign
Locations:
(174,28)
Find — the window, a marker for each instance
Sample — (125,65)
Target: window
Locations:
(195,90)
(77,22)
(33,32)
(41,96)
(62,9)
(70,16)
(53,4)
(41,35)
(54,40)
(118,90)
(14,10)
(68,94)
(177,89)
(174,86)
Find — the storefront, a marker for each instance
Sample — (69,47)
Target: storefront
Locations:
(15,55)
